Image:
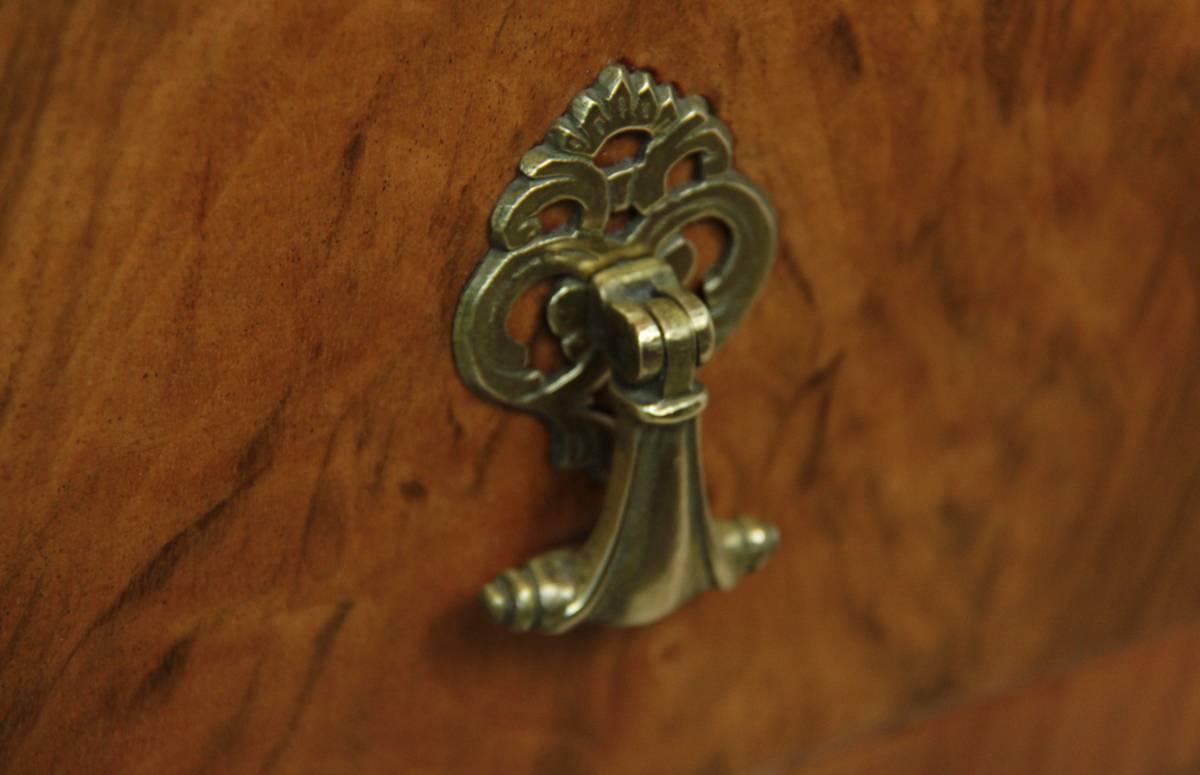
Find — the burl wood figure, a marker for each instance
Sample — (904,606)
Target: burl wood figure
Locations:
(246,500)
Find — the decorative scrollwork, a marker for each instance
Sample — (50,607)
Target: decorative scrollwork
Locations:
(563,169)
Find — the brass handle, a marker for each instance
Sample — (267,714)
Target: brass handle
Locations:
(633,333)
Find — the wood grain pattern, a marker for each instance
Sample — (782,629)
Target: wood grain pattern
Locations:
(246,501)
(1136,712)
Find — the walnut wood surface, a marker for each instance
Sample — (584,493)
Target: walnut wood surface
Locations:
(246,500)
(1136,712)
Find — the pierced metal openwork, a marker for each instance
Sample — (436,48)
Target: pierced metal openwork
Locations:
(626,403)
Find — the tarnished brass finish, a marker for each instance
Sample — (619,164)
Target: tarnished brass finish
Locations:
(633,336)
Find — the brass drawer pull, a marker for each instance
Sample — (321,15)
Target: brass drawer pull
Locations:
(627,401)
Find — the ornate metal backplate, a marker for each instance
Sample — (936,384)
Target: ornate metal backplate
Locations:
(563,169)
